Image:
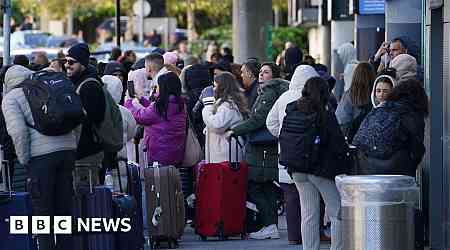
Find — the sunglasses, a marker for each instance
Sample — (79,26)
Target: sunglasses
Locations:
(71,62)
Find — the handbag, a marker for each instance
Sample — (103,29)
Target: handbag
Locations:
(262,137)
(192,152)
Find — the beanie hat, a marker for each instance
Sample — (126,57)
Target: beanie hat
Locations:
(114,67)
(170,58)
(14,76)
(80,52)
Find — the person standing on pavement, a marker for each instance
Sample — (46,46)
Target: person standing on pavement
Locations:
(250,74)
(293,58)
(154,65)
(401,146)
(387,52)
(229,109)
(314,176)
(262,157)
(274,122)
(356,101)
(49,160)
(90,88)
(164,121)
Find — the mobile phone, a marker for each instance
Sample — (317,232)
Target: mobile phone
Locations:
(130,88)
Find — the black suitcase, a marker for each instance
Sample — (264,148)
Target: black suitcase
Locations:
(93,202)
(130,206)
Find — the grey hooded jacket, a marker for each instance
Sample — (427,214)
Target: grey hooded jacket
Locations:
(27,141)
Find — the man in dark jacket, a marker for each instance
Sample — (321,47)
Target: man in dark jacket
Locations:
(90,89)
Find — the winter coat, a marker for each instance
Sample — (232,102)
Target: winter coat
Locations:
(263,159)
(252,94)
(217,145)
(164,139)
(93,101)
(28,142)
(276,115)
(114,87)
(409,151)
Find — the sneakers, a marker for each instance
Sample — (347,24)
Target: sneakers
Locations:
(269,232)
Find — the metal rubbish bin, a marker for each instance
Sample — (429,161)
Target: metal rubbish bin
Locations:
(378,211)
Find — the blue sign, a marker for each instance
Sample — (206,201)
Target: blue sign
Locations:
(371,7)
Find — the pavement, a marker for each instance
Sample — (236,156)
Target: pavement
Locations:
(191,241)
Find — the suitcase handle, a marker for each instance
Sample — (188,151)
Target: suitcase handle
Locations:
(6,175)
(235,166)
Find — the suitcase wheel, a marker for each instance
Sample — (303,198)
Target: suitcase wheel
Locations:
(243,236)
(173,244)
(204,238)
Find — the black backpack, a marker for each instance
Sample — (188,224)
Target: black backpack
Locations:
(299,141)
(55,107)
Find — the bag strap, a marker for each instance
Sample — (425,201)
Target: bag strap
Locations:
(89,79)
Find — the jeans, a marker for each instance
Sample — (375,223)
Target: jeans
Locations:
(310,187)
(293,216)
(50,184)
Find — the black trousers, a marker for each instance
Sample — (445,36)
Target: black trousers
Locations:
(50,184)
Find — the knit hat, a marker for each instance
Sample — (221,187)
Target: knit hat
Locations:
(405,65)
(80,52)
(114,67)
(170,58)
(14,76)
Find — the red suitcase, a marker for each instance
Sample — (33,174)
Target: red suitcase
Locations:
(221,194)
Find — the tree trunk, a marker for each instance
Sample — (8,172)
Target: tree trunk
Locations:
(191,20)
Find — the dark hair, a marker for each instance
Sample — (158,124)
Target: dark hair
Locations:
(276,71)
(169,84)
(21,60)
(293,57)
(401,41)
(362,83)
(155,58)
(129,53)
(412,92)
(228,90)
(388,71)
(116,53)
(385,79)
(216,55)
(253,67)
(315,96)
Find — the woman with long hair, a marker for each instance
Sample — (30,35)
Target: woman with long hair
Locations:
(313,149)
(228,109)
(164,121)
(356,102)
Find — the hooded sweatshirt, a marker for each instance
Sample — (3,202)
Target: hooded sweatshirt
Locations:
(276,115)
(373,97)
(114,87)
(405,65)
(28,142)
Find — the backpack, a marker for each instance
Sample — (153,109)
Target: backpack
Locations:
(54,104)
(299,142)
(381,134)
(356,122)
(109,133)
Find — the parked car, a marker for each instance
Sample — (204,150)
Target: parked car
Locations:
(61,41)
(29,39)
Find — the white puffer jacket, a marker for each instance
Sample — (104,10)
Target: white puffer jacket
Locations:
(276,115)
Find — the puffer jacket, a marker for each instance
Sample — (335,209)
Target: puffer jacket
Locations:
(276,115)
(217,145)
(28,142)
(263,159)
(164,139)
(409,150)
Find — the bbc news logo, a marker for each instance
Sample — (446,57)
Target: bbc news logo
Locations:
(64,225)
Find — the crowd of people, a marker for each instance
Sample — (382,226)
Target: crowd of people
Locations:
(295,120)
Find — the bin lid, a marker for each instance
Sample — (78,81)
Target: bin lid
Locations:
(388,181)
(377,188)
